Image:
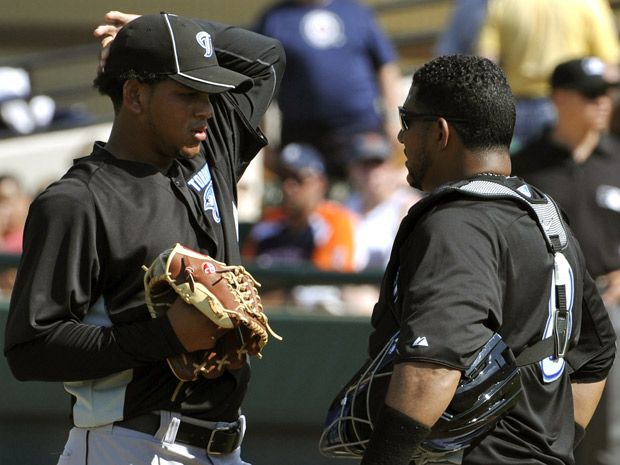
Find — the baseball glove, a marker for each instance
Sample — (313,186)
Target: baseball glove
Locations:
(229,353)
(226,295)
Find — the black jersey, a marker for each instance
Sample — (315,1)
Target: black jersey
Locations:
(77,311)
(468,268)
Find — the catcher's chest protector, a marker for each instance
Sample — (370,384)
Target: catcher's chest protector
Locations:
(487,391)
(547,215)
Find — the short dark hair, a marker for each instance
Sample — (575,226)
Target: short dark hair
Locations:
(472,88)
(112,85)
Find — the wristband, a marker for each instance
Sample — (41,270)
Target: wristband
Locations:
(395,438)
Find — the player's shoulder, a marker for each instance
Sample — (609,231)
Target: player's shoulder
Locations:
(73,184)
(455,210)
(65,198)
(74,187)
(464,215)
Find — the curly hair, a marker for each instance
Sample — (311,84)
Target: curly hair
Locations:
(112,86)
(471,88)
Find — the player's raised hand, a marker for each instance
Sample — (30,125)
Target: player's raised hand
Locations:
(114,20)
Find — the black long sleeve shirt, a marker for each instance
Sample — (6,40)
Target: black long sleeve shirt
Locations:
(88,235)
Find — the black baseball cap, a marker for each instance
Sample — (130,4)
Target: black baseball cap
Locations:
(585,75)
(174,46)
(370,146)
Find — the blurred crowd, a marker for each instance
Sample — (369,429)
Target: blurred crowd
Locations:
(23,112)
(331,189)
(14,202)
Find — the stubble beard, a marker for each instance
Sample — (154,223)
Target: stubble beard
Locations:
(418,174)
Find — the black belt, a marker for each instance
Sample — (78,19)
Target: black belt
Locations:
(215,441)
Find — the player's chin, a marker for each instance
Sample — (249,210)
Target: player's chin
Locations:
(189,151)
(414,181)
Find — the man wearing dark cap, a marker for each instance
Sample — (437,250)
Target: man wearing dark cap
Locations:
(188,96)
(305,227)
(380,197)
(304,230)
(578,164)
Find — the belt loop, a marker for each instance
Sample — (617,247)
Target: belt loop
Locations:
(241,428)
(168,427)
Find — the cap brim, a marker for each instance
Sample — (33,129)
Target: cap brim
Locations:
(591,85)
(214,80)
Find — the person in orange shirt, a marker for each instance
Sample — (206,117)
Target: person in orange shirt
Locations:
(306,227)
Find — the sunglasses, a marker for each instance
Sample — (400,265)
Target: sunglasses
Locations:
(406,116)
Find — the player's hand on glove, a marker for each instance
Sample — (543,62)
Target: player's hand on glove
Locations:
(114,21)
(224,299)
(227,354)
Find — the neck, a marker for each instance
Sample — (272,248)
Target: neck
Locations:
(125,143)
(580,143)
(490,163)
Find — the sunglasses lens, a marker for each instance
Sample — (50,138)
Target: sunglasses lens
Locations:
(404,120)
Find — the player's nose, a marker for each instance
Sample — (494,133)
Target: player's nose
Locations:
(203,108)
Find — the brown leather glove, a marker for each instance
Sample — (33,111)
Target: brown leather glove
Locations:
(226,295)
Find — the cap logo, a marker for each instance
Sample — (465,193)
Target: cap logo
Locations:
(323,29)
(593,66)
(204,40)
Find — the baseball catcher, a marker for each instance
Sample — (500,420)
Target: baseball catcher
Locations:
(226,295)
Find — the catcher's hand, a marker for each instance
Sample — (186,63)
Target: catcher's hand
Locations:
(225,295)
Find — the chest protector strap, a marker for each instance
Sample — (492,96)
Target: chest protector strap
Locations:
(547,215)
(551,225)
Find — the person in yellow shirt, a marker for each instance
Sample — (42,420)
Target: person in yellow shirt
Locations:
(528,38)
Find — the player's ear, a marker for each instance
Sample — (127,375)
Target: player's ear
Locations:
(443,133)
(133,95)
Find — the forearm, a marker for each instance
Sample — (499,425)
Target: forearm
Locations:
(389,81)
(417,396)
(586,397)
(593,357)
(389,76)
(73,351)
(259,57)
(431,386)
(240,49)
(610,285)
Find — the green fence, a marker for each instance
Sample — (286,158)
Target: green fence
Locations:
(289,394)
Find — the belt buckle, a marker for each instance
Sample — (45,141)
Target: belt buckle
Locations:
(235,430)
